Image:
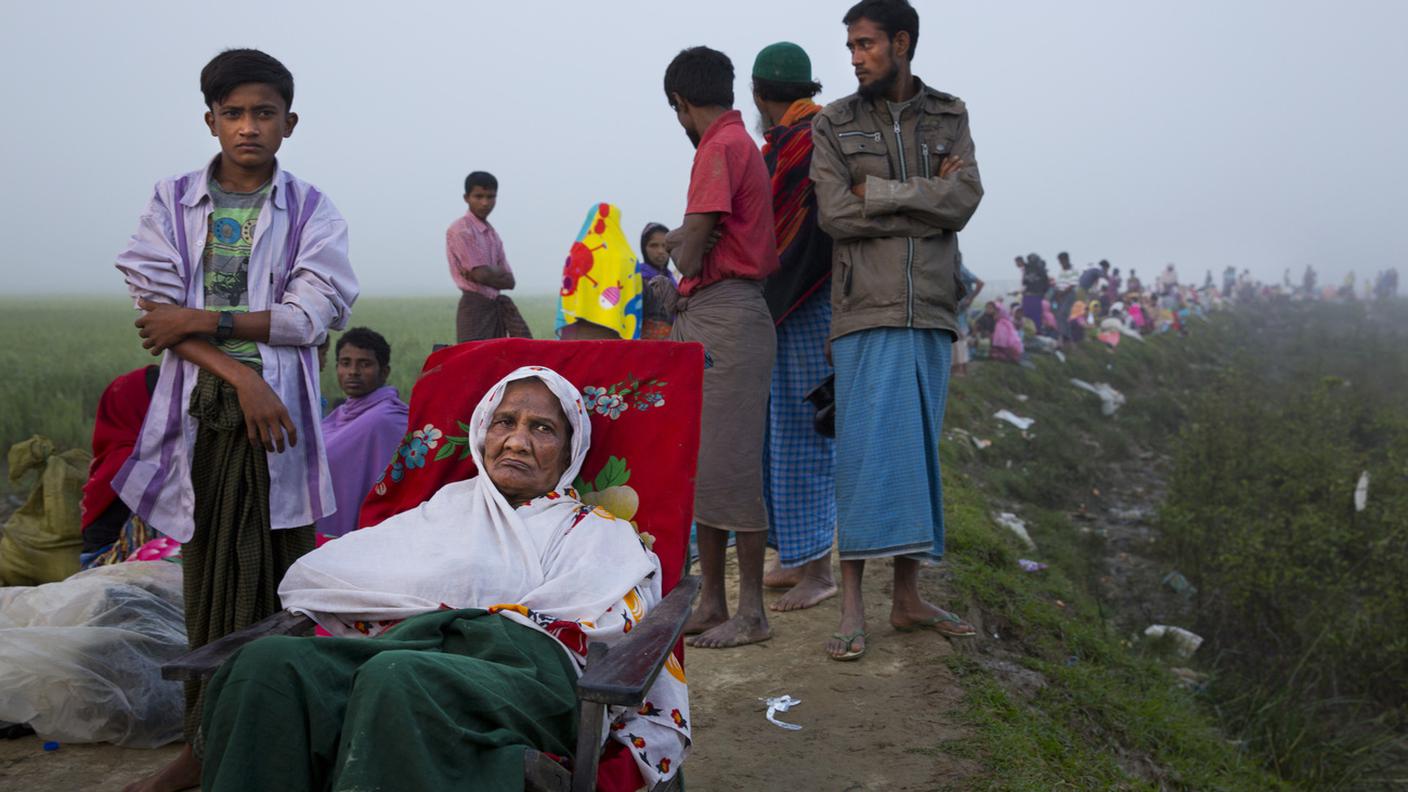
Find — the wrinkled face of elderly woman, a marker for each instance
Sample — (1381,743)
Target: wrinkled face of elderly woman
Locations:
(529,442)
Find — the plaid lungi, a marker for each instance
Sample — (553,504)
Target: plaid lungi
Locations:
(891,389)
(799,463)
(232,565)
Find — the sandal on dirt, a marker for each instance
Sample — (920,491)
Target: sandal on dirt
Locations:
(851,652)
(945,624)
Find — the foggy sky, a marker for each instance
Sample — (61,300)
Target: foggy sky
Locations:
(1255,134)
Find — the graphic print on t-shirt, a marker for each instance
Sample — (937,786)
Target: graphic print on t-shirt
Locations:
(228,244)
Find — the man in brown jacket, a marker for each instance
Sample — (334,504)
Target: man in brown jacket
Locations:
(896,179)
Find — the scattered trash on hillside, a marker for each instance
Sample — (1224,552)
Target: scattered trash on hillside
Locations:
(1110,399)
(1022,397)
(1028,565)
(1179,584)
(1061,356)
(1016,420)
(1186,640)
(1189,679)
(978,442)
(1014,524)
(781,704)
(1361,492)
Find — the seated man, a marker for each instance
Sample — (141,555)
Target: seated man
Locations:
(481,602)
(362,433)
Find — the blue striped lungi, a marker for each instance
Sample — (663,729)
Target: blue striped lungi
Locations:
(799,463)
(891,387)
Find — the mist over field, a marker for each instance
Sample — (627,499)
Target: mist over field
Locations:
(1259,134)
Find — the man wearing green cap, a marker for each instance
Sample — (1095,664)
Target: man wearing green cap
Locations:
(896,180)
(799,483)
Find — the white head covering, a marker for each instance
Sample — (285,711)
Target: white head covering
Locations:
(577,417)
(467,547)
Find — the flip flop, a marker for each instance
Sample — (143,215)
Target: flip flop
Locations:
(945,624)
(851,652)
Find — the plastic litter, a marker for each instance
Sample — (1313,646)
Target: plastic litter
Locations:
(1016,420)
(80,660)
(1110,399)
(781,704)
(1189,679)
(1180,584)
(51,746)
(1028,565)
(1014,524)
(1022,397)
(1061,356)
(1186,640)
(978,442)
(1361,492)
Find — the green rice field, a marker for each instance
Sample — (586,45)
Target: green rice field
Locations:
(59,354)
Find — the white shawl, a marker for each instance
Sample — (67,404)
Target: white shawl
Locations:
(554,564)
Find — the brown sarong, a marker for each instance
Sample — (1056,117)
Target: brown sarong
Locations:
(731,319)
(232,565)
(479,317)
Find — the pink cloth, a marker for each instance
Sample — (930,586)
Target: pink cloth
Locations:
(1006,341)
(1048,319)
(730,177)
(469,243)
(362,436)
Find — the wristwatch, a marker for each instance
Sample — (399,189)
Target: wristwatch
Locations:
(225,327)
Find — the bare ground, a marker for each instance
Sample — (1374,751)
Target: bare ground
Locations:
(879,723)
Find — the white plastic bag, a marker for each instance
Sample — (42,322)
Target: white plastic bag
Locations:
(80,660)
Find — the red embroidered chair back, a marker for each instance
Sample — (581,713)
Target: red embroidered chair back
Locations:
(645,399)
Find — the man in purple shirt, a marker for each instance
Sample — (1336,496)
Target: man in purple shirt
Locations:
(364,431)
(240,270)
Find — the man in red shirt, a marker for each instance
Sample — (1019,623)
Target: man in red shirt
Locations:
(721,306)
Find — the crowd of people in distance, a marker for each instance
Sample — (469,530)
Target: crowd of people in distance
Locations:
(821,274)
(1050,313)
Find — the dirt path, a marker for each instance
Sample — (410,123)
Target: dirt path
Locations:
(879,723)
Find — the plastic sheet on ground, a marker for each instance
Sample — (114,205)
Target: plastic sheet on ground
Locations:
(1186,640)
(1110,399)
(781,704)
(1014,524)
(1361,492)
(1016,420)
(80,660)
(1028,565)
(978,442)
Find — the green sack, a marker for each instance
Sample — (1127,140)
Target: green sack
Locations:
(40,543)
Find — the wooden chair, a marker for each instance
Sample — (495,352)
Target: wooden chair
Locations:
(646,398)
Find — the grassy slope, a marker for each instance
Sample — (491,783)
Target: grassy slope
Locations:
(1109,715)
(59,354)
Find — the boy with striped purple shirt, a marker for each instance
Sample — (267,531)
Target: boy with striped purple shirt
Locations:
(240,270)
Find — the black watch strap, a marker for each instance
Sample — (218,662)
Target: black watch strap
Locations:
(225,327)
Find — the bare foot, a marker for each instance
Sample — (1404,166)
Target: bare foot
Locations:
(780,577)
(810,592)
(852,628)
(737,631)
(704,617)
(182,773)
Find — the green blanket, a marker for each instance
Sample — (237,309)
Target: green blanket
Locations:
(447,700)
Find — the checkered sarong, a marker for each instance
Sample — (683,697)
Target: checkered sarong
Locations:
(232,565)
(799,463)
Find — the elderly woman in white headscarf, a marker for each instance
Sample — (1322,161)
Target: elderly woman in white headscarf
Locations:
(462,626)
